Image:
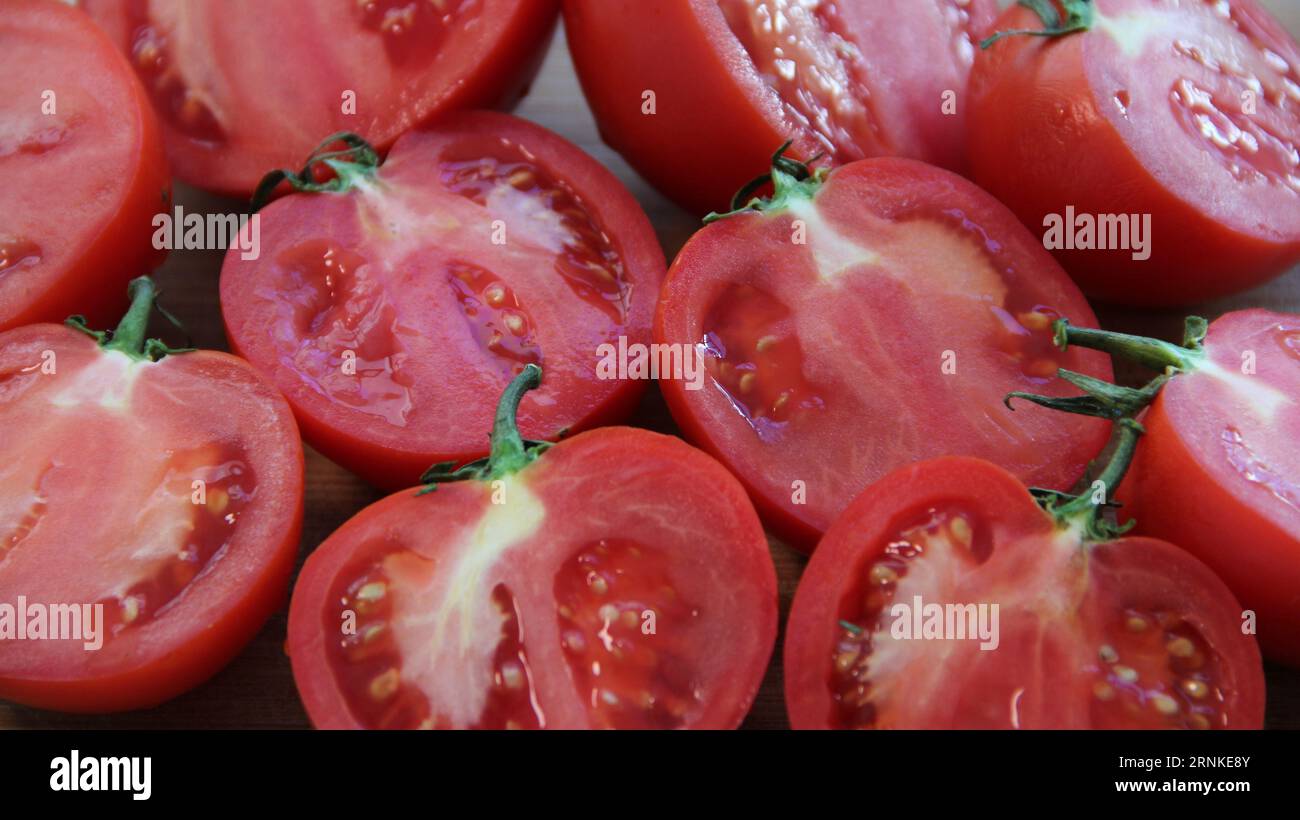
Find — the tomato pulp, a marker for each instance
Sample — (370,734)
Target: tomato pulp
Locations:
(387,312)
(697,93)
(1184,112)
(82,159)
(619,579)
(1219,471)
(376,68)
(857,324)
(179,526)
(1130,633)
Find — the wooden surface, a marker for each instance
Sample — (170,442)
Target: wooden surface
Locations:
(257,690)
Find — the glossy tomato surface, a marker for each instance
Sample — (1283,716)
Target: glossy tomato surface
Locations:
(168,493)
(393,315)
(1133,633)
(878,322)
(1188,112)
(1219,470)
(622,580)
(696,94)
(82,160)
(244,86)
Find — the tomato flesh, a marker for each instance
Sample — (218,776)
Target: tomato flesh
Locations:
(1219,471)
(1133,633)
(84,169)
(881,321)
(376,68)
(387,314)
(1186,114)
(697,94)
(192,547)
(539,611)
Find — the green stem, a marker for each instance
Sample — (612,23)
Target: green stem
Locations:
(1081,509)
(130,336)
(1079,16)
(509,452)
(1154,354)
(790,178)
(357,162)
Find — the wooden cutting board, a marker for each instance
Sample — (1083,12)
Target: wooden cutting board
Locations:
(257,690)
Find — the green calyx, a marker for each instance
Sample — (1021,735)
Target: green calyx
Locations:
(359,160)
(789,178)
(1079,16)
(1087,510)
(509,454)
(1121,406)
(129,335)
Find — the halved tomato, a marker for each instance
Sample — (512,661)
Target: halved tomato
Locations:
(82,160)
(150,496)
(1186,113)
(863,320)
(619,579)
(247,85)
(388,311)
(945,598)
(696,93)
(1219,472)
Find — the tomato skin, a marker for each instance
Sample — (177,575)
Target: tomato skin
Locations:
(756,249)
(586,485)
(1051,691)
(1185,488)
(487,61)
(451,380)
(94,248)
(218,612)
(716,121)
(1043,136)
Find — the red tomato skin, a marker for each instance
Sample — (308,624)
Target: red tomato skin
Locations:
(859,533)
(605,451)
(392,461)
(1040,140)
(163,669)
(500,78)
(1174,494)
(894,184)
(121,246)
(716,124)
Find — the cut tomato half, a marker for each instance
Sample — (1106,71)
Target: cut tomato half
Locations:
(588,585)
(945,598)
(243,86)
(389,311)
(863,320)
(157,552)
(83,166)
(696,93)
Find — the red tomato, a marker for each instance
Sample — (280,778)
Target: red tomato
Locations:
(859,325)
(1133,633)
(83,167)
(181,521)
(589,585)
(1186,112)
(387,314)
(697,93)
(243,86)
(1219,471)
